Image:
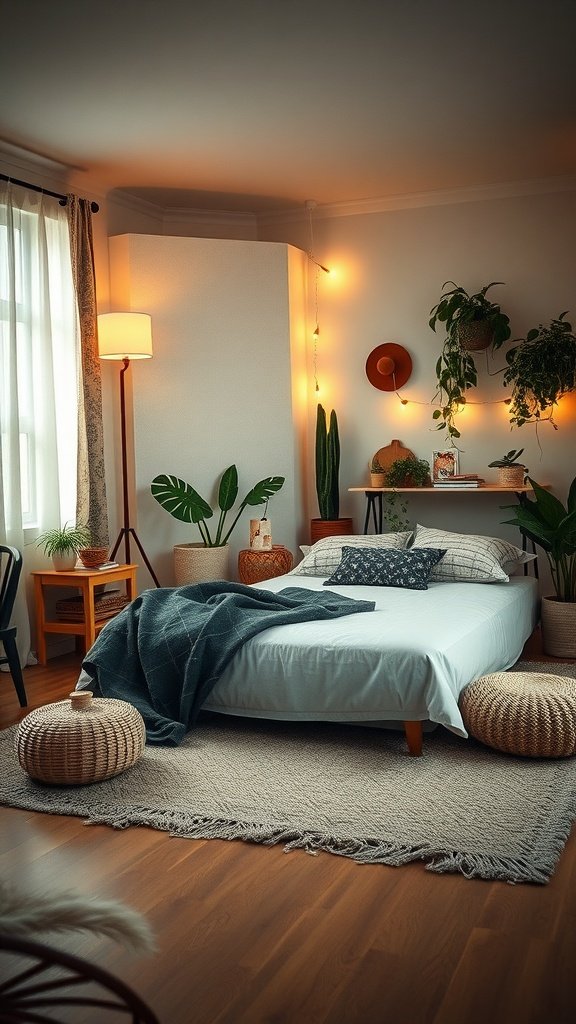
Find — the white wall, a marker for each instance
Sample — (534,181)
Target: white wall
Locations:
(218,389)
(390,268)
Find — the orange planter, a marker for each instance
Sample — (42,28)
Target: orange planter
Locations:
(320,528)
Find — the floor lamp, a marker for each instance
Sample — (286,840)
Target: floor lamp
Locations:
(126,336)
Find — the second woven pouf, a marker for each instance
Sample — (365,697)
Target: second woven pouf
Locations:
(528,713)
(82,740)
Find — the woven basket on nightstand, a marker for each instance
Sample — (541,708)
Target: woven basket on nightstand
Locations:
(81,740)
(527,713)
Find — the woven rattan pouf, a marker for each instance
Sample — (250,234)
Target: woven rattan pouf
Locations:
(527,713)
(81,740)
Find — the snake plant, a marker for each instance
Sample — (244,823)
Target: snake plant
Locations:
(327,464)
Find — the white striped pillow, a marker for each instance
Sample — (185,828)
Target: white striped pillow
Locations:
(470,558)
(326,554)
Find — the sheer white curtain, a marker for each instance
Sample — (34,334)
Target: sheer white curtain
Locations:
(38,375)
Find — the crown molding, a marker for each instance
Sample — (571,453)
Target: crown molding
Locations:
(135,204)
(412,200)
(222,218)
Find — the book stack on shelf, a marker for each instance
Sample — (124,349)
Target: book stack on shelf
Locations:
(460,480)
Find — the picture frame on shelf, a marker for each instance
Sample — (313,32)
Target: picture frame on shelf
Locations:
(445,464)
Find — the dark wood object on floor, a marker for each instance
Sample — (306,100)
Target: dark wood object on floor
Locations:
(249,935)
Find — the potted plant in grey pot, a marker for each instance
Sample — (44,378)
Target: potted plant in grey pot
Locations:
(63,544)
(472,323)
(327,480)
(546,522)
(511,473)
(207,559)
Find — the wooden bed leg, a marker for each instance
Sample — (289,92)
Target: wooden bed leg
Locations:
(413,732)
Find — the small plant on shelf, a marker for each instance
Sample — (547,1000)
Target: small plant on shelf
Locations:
(408,472)
(510,471)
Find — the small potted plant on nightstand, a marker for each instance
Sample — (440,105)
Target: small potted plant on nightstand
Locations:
(62,545)
(511,473)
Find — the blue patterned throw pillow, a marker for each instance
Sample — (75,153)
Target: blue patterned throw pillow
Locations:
(376,568)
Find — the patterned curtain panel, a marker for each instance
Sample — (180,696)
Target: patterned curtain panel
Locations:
(91,505)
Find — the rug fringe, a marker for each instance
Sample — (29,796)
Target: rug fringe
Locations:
(363,851)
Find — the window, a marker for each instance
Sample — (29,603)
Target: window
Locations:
(38,362)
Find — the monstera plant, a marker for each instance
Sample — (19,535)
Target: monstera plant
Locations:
(184,503)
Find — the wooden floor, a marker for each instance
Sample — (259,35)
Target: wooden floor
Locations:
(248,934)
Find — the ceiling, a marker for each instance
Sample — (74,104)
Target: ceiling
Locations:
(258,106)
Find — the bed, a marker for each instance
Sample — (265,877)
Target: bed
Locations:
(405,663)
(448,608)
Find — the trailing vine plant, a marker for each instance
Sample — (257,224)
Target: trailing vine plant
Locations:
(540,370)
(408,472)
(459,313)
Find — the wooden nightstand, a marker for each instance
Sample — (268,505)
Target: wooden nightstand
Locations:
(86,580)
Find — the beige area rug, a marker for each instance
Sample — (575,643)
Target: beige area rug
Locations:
(347,790)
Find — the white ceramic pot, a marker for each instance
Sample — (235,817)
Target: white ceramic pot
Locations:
(64,562)
(195,563)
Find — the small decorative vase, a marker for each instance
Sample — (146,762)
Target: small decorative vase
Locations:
(195,563)
(377,480)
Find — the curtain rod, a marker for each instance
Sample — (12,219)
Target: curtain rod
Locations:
(46,191)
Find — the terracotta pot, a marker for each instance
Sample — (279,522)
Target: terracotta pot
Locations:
(320,528)
(558,627)
(195,563)
(475,336)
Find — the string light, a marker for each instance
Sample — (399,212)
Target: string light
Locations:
(310,205)
(461,403)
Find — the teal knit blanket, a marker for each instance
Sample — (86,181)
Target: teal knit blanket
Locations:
(167,649)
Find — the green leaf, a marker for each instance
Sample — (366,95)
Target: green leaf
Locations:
(549,507)
(180,499)
(263,490)
(228,490)
(572,496)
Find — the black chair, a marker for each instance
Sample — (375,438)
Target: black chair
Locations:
(10,569)
(43,980)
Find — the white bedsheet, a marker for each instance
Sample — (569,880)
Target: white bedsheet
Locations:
(409,659)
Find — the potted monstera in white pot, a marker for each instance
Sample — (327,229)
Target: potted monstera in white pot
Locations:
(207,559)
(552,526)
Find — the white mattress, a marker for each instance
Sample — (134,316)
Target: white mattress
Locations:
(409,659)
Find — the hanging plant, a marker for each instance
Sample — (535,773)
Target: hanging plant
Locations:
(471,322)
(540,370)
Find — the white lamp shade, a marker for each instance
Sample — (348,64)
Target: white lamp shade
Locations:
(125,335)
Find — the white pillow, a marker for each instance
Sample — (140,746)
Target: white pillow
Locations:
(469,557)
(326,554)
